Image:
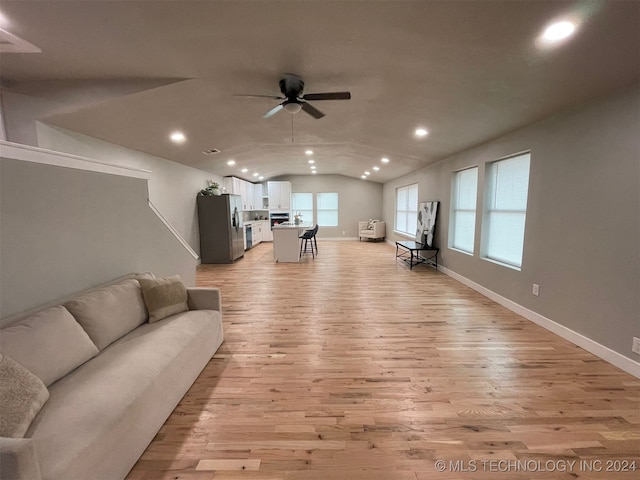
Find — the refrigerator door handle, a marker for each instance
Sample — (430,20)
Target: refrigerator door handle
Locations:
(236,219)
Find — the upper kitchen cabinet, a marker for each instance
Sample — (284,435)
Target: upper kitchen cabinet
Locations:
(245,189)
(279,195)
(257,196)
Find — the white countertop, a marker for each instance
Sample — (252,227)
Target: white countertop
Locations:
(291,225)
(247,222)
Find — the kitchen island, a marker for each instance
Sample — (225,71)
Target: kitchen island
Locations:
(286,244)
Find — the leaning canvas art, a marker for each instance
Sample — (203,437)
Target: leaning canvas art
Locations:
(426,223)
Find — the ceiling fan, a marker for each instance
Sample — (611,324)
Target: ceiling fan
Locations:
(291,87)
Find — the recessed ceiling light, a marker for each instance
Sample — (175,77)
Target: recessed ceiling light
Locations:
(244,170)
(313,172)
(367,173)
(177,137)
(364,177)
(421,132)
(260,177)
(558,31)
(384,160)
(309,152)
(231,162)
(312,161)
(313,167)
(256,174)
(376,168)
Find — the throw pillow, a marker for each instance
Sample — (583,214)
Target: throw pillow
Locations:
(22,395)
(164,297)
(49,343)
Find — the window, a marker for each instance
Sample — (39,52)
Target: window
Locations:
(507,185)
(463,210)
(303,203)
(407,209)
(327,206)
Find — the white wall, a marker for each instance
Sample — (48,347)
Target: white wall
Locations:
(172,187)
(63,230)
(582,239)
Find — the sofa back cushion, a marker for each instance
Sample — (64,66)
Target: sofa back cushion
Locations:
(49,343)
(110,312)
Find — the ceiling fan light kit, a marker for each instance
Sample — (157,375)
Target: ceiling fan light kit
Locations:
(292,107)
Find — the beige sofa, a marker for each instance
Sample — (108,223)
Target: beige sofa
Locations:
(111,377)
(373,229)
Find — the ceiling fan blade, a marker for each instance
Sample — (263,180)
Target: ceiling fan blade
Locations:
(311,110)
(327,96)
(273,111)
(274,97)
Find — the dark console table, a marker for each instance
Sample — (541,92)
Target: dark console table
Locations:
(410,252)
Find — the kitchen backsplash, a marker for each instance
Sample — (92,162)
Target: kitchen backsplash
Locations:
(255,215)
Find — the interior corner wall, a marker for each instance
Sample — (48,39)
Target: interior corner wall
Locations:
(3,130)
(582,237)
(358,200)
(63,230)
(173,187)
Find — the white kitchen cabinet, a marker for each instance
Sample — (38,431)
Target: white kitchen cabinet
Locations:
(256,233)
(267,234)
(279,195)
(245,189)
(257,196)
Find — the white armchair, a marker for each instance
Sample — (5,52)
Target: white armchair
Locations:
(373,229)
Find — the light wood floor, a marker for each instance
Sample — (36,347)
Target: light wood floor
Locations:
(351,366)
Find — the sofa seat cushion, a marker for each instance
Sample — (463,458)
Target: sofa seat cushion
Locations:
(103,415)
(49,343)
(110,312)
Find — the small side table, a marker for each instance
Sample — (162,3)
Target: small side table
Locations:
(409,252)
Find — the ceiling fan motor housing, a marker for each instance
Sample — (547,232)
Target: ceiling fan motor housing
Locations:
(291,87)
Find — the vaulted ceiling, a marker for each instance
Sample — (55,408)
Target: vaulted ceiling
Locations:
(132,72)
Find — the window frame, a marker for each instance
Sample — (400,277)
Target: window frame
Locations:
(303,211)
(319,219)
(407,211)
(490,210)
(456,210)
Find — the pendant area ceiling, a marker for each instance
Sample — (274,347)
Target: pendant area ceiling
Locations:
(132,72)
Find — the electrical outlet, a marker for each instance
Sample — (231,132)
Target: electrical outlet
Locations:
(536,289)
(635,348)
(343,233)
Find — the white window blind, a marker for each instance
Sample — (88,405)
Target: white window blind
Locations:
(463,210)
(327,208)
(407,209)
(303,203)
(506,209)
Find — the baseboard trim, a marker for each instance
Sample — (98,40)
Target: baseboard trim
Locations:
(605,353)
(338,238)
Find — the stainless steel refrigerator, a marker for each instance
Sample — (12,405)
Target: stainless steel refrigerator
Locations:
(221,232)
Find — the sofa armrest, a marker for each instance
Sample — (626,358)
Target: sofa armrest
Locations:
(204,298)
(379,229)
(18,459)
(362,226)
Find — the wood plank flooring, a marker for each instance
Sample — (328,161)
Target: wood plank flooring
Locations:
(351,366)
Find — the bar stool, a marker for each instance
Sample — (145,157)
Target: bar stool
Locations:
(309,237)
